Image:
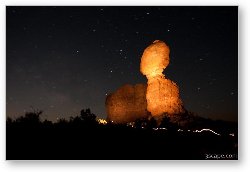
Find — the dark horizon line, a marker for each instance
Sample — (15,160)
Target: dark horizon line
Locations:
(14,117)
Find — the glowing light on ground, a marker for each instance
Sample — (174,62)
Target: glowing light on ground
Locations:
(102,121)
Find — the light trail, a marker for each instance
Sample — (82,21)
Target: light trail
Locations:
(206,129)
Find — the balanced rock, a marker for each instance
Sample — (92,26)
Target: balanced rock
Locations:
(162,94)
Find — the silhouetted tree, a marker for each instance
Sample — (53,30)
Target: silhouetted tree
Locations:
(75,121)
(88,117)
(30,118)
(62,121)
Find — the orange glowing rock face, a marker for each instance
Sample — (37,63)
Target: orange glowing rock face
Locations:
(158,97)
(127,104)
(162,94)
(155,59)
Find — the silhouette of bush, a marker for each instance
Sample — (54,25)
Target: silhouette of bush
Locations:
(87,117)
(30,118)
(75,121)
(62,123)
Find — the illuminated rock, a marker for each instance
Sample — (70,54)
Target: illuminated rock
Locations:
(155,59)
(127,104)
(159,97)
(162,94)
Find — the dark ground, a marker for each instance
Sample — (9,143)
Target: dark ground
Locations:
(113,142)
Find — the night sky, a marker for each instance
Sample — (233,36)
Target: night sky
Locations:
(64,59)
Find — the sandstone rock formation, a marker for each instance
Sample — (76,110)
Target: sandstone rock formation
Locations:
(127,104)
(162,94)
(155,59)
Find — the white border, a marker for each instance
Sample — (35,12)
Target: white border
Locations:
(244,70)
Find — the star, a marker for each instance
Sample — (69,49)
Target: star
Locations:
(111,71)
(148,13)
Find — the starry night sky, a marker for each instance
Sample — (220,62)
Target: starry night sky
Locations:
(64,59)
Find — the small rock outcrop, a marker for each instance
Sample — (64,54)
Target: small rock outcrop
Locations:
(127,104)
